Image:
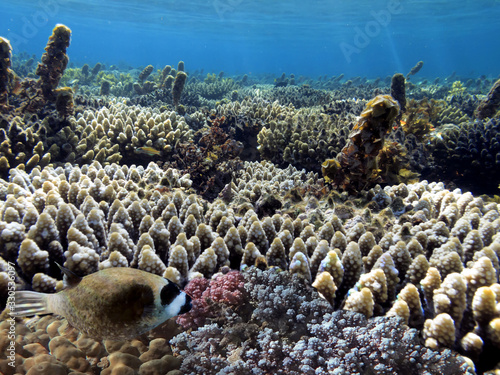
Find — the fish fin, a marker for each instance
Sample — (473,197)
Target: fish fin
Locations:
(30,303)
(70,279)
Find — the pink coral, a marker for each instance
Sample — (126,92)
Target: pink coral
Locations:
(225,290)
(196,287)
(228,289)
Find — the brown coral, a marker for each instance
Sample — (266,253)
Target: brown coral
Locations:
(5,63)
(356,165)
(54,60)
(490,105)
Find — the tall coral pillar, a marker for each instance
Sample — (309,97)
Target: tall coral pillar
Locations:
(54,61)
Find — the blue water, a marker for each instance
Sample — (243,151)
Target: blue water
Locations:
(310,37)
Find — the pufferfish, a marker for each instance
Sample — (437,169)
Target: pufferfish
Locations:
(114,303)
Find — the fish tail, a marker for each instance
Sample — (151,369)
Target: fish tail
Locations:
(30,303)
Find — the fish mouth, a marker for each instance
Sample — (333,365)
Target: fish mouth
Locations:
(186,306)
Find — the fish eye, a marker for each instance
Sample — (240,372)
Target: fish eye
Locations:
(168,293)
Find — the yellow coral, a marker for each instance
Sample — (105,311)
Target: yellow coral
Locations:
(457,89)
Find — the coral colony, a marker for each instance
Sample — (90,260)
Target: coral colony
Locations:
(314,232)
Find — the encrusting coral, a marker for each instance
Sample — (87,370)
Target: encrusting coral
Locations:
(52,347)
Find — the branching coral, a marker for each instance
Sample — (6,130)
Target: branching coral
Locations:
(420,115)
(412,255)
(212,297)
(289,330)
(467,154)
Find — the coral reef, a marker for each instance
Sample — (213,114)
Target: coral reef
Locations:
(127,216)
(305,138)
(284,328)
(467,155)
(419,117)
(110,134)
(212,160)
(213,182)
